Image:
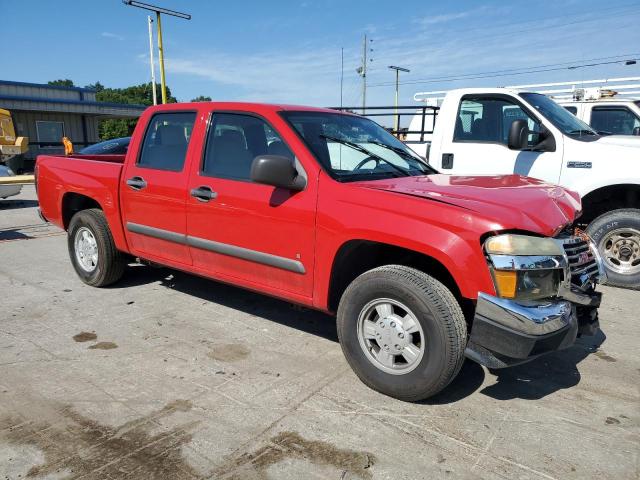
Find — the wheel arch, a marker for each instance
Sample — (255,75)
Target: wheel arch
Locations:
(607,198)
(357,256)
(72,203)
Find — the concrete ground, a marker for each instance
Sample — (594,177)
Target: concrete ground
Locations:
(170,376)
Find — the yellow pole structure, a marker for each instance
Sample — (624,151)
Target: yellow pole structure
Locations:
(163,85)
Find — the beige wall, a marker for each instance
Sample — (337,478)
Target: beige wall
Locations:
(25,123)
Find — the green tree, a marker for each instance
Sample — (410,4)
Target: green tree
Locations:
(137,94)
(201,98)
(62,82)
(98,87)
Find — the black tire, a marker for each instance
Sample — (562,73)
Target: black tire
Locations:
(439,315)
(599,229)
(111,262)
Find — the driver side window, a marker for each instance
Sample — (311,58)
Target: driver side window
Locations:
(488,120)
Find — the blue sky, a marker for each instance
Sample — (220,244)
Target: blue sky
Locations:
(289,51)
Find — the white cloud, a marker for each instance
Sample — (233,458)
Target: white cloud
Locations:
(311,75)
(305,77)
(112,35)
(444,18)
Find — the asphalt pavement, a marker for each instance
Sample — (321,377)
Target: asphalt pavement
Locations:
(165,375)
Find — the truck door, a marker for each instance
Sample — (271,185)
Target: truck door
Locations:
(478,144)
(251,234)
(153,190)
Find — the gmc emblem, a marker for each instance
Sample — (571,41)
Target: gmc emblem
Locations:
(583,258)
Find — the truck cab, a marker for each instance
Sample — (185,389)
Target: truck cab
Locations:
(498,131)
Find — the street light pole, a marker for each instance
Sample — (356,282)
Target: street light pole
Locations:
(398,70)
(153,69)
(163,83)
(158,11)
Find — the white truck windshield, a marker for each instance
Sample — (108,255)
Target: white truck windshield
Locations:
(565,121)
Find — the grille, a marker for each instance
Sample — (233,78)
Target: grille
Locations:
(582,262)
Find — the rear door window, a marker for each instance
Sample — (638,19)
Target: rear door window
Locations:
(166,141)
(614,120)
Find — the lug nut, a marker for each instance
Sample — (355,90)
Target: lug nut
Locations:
(397,347)
(393,324)
(401,335)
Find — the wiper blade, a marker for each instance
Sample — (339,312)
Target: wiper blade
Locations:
(582,132)
(361,149)
(402,153)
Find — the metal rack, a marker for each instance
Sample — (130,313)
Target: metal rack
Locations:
(396,113)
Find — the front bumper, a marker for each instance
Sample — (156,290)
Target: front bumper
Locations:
(506,333)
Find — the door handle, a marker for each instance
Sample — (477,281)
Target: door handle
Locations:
(203,193)
(137,183)
(447,160)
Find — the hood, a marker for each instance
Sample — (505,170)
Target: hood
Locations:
(509,201)
(620,140)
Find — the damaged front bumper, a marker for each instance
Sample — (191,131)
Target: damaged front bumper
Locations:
(507,332)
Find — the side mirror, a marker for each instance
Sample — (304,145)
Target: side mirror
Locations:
(518,135)
(636,132)
(278,171)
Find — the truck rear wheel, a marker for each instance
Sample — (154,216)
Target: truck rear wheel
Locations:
(92,250)
(617,237)
(402,332)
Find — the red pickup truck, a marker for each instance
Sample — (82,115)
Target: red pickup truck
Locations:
(328,210)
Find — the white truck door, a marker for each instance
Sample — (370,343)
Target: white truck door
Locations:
(477,143)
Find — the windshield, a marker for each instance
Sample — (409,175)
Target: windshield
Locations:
(355,148)
(117,146)
(565,121)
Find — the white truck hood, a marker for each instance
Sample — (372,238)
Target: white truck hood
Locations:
(620,140)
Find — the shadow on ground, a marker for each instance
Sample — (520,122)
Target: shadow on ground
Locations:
(13,234)
(530,381)
(546,374)
(284,313)
(8,204)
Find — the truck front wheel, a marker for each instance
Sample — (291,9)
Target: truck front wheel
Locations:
(92,250)
(402,332)
(617,237)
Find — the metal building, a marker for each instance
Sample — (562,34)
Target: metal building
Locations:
(46,113)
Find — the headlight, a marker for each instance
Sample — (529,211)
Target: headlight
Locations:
(527,284)
(522,245)
(524,267)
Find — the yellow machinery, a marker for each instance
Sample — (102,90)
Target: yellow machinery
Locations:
(10,145)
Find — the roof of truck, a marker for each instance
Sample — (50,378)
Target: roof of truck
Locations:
(244,106)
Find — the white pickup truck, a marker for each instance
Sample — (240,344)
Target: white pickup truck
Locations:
(495,131)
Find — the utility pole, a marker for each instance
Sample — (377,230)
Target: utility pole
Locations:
(158,11)
(153,70)
(341,73)
(398,70)
(362,71)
